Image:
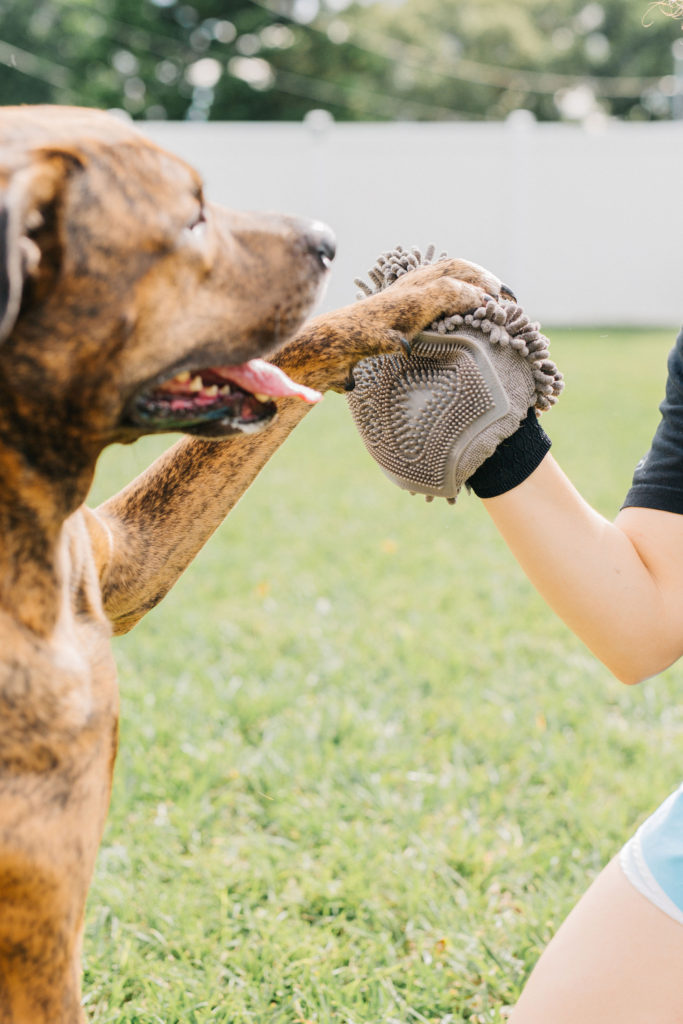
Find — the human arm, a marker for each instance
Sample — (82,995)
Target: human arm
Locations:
(617,585)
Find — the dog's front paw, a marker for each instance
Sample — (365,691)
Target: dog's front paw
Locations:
(324,352)
(457,270)
(410,306)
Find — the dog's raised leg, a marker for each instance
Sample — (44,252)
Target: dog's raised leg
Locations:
(149,533)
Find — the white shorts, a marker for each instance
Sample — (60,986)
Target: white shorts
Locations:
(652,859)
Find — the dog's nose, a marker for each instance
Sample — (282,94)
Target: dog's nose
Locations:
(321,242)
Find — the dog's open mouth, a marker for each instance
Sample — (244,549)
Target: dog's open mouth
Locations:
(219,400)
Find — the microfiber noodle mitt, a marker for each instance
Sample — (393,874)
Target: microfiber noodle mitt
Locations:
(432,418)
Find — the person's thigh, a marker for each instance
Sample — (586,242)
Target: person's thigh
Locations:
(617,958)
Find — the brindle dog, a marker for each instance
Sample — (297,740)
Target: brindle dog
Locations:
(128,305)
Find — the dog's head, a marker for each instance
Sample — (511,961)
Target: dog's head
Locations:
(129,304)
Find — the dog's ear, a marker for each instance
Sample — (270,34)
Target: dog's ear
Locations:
(25,195)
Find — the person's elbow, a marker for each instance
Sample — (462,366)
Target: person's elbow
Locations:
(640,666)
(629,677)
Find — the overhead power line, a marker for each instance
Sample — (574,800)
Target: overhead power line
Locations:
(138,38)
(34,66)
(345,94)
(341,95)
(473,71)
(318,90)
(525,80)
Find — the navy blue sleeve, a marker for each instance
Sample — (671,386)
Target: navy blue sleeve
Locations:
(658,477)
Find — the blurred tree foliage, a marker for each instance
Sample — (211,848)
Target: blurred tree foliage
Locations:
(279,59)
(564,58)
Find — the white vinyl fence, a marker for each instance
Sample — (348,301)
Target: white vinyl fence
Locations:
(585,226)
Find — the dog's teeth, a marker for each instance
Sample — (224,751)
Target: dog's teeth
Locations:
(196,383)
(261,397)
(225,390)
(211,391)
(183,377)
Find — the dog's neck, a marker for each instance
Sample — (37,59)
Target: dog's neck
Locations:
(33,510)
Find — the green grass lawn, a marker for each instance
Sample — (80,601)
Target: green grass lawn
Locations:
(364,773)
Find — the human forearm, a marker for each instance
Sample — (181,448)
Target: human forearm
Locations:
(610,582)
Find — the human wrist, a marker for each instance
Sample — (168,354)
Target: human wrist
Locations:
(513,461)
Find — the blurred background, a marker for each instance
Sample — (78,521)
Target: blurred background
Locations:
(275,60)
(369,774)
(538,138)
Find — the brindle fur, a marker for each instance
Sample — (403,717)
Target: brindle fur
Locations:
(101,289)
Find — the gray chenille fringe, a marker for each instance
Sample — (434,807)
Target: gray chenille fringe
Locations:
(502,321)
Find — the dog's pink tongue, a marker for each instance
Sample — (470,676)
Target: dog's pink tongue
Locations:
(263,378)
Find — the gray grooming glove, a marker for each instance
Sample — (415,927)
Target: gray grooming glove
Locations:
(461,408)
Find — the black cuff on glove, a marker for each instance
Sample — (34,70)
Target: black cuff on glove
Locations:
(513,460)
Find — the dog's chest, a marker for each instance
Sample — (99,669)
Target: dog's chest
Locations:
(55,695)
